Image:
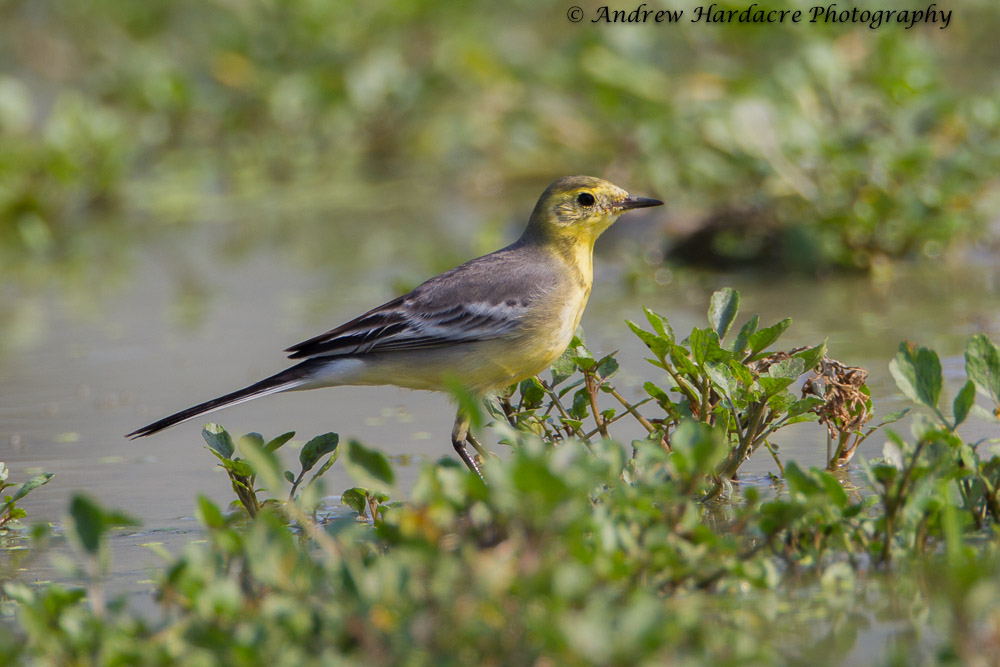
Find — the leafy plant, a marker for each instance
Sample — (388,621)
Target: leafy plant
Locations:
(743,386)
(259,459)
(9,511)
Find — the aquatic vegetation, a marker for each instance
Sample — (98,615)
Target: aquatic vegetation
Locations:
(9,511)
(741,387)
(577,549)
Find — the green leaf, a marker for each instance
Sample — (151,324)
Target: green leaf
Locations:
(743,337)
(208,514)
(532,392)
(256,439)
(657,393)
(658,345)
(265,464)
(803,406)
(326,466)
(982,363)
(963,402)
(31,485)
(279,441)
(660,325)
(722,310)
(811,357)
(773,386)
(894,417)
(583,358)
(705,346)
(607,367)
(781,402)
(238,467)
(219,440)
(800,482)
(316,448)
(369,467)
(766,337)
(682,362)
(469,402)
(834,489)
(787,368)
(563,368)
(917,372)
(356,499)
(741,373)
(88,522)
(722,376)
(581,404)
(698,445)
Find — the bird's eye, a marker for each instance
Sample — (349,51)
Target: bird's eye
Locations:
(585,199)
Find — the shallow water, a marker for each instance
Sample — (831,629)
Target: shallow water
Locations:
(198,310)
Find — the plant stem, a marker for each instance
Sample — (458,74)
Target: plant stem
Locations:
(592,393)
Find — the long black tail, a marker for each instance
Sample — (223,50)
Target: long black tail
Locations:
(283,381)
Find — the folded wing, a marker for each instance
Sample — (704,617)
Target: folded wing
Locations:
(470,303)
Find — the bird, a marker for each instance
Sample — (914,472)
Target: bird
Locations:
(487,324)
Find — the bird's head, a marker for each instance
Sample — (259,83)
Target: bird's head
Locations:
(580,208)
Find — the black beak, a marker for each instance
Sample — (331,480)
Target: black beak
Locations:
(637,202)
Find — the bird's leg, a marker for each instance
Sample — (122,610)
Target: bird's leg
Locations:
(483,452)
(459,439)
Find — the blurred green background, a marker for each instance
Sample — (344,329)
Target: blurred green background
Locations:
(809,147)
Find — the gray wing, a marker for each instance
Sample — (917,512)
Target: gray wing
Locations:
(486,298)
